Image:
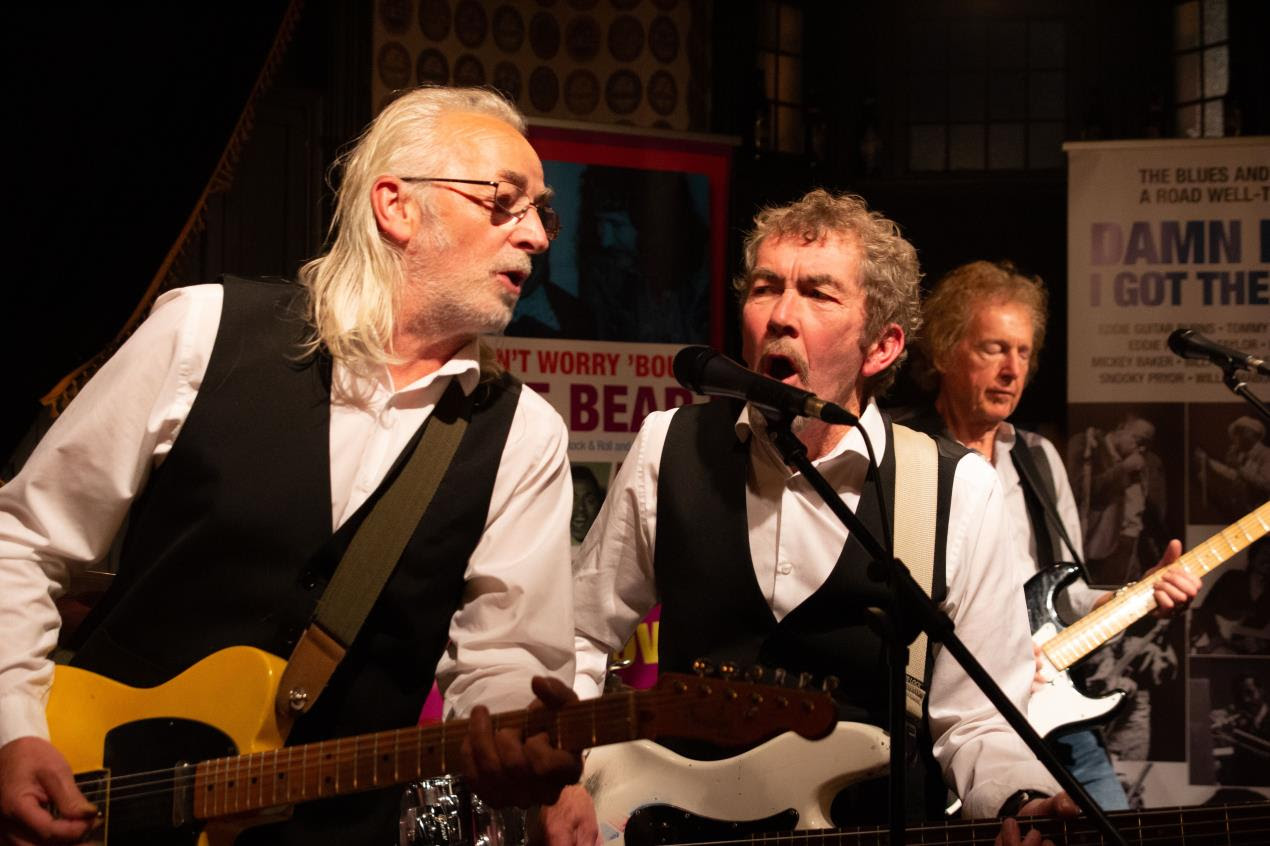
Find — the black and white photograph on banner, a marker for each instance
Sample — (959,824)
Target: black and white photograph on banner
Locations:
(1231,615)
(1127,495)
(1147,664)
(1230,462)
(1229,714)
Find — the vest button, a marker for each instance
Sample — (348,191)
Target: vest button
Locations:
(308,579)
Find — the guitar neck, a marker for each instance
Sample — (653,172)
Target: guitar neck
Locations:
(720,711)
(246,783)
(1135,601)
(1230,825)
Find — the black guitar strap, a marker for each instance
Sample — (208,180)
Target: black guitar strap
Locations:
(1041,497)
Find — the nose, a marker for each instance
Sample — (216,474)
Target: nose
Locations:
(782,320)
(1013,366)
(529,234)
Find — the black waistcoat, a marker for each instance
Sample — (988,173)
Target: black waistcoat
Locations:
(231,543)
(713,607)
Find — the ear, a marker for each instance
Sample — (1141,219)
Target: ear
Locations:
(883,352)
(396,211)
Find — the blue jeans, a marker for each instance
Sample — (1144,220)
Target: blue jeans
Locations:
(1082,752)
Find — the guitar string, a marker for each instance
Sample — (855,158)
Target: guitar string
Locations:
(160,780)
(1222,824)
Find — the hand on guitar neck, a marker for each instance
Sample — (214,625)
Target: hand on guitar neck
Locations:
(1174,586)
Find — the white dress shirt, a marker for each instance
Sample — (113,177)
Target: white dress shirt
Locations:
(1079,598)
(61,513)
(795,542)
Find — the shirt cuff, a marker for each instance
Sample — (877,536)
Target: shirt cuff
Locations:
(985,800)
(21,716)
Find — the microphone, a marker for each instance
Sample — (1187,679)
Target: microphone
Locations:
(704,371)
(1190,344)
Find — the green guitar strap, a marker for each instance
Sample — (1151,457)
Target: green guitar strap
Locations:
(370,559)
(916,505)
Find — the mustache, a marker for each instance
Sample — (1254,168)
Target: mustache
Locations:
(788,350)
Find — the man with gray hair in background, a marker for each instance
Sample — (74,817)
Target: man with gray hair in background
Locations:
(751,566)
(983,330)
(246,430)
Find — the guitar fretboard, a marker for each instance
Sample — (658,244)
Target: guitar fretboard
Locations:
(245,783)
(1135,601)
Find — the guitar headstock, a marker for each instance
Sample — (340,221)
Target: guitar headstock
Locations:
(731,712)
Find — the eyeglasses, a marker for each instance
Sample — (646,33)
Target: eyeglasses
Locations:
(509,199)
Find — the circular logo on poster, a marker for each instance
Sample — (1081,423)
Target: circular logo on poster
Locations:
(393,63)
(509,29)
(626,38)
(544,35)
(507,80)
(432,67)
(468,70)
(581,92)
(395,14)
(663,39)
(469,25)
(623,92)
(663,93)
(544,88)
(582,39)
(434,19)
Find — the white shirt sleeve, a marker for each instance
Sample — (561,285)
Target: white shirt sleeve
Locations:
(61,513)
(516,620)
(978,751)
(614,586)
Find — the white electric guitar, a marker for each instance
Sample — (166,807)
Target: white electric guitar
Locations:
(1059,702)
(780,793)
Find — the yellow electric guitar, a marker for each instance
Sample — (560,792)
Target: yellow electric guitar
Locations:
(199,758)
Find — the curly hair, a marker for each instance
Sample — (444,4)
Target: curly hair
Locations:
(958,294)
(889,271)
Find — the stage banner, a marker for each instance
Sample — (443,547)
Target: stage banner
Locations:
(1165,235)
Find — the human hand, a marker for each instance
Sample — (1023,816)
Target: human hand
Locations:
(570,821)
(1175,588)
(505,770)
(1133,462)
(34,779)
(1038,677)
(1060,805)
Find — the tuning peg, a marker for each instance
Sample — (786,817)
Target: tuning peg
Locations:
(702,667)
(755,673)
(778,676)
(830,684)
(727,670)
(804,679)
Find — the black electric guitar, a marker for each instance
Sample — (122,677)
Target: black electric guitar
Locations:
(1059,702)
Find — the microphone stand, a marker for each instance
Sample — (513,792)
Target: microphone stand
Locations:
(1238,386)
(912,609)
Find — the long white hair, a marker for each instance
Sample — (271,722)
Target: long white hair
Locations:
(353,288)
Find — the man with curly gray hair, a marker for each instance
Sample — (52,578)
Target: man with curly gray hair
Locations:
(247,429)
(751,566)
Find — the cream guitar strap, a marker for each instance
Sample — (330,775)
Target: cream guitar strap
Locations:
(915,506)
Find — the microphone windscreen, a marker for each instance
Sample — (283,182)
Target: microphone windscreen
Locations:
(690,364)
(1178,342)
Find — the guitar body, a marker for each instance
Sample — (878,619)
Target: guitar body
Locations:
(638,785)
(1060,702)
(221,706)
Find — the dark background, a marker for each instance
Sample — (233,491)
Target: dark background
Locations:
(119,112)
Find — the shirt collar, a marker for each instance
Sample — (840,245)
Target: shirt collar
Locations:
(753,424)
(465,366)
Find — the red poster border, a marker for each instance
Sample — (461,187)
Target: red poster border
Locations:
(652,153)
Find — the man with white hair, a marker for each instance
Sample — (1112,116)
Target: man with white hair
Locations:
(1241,481)
(246,430)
